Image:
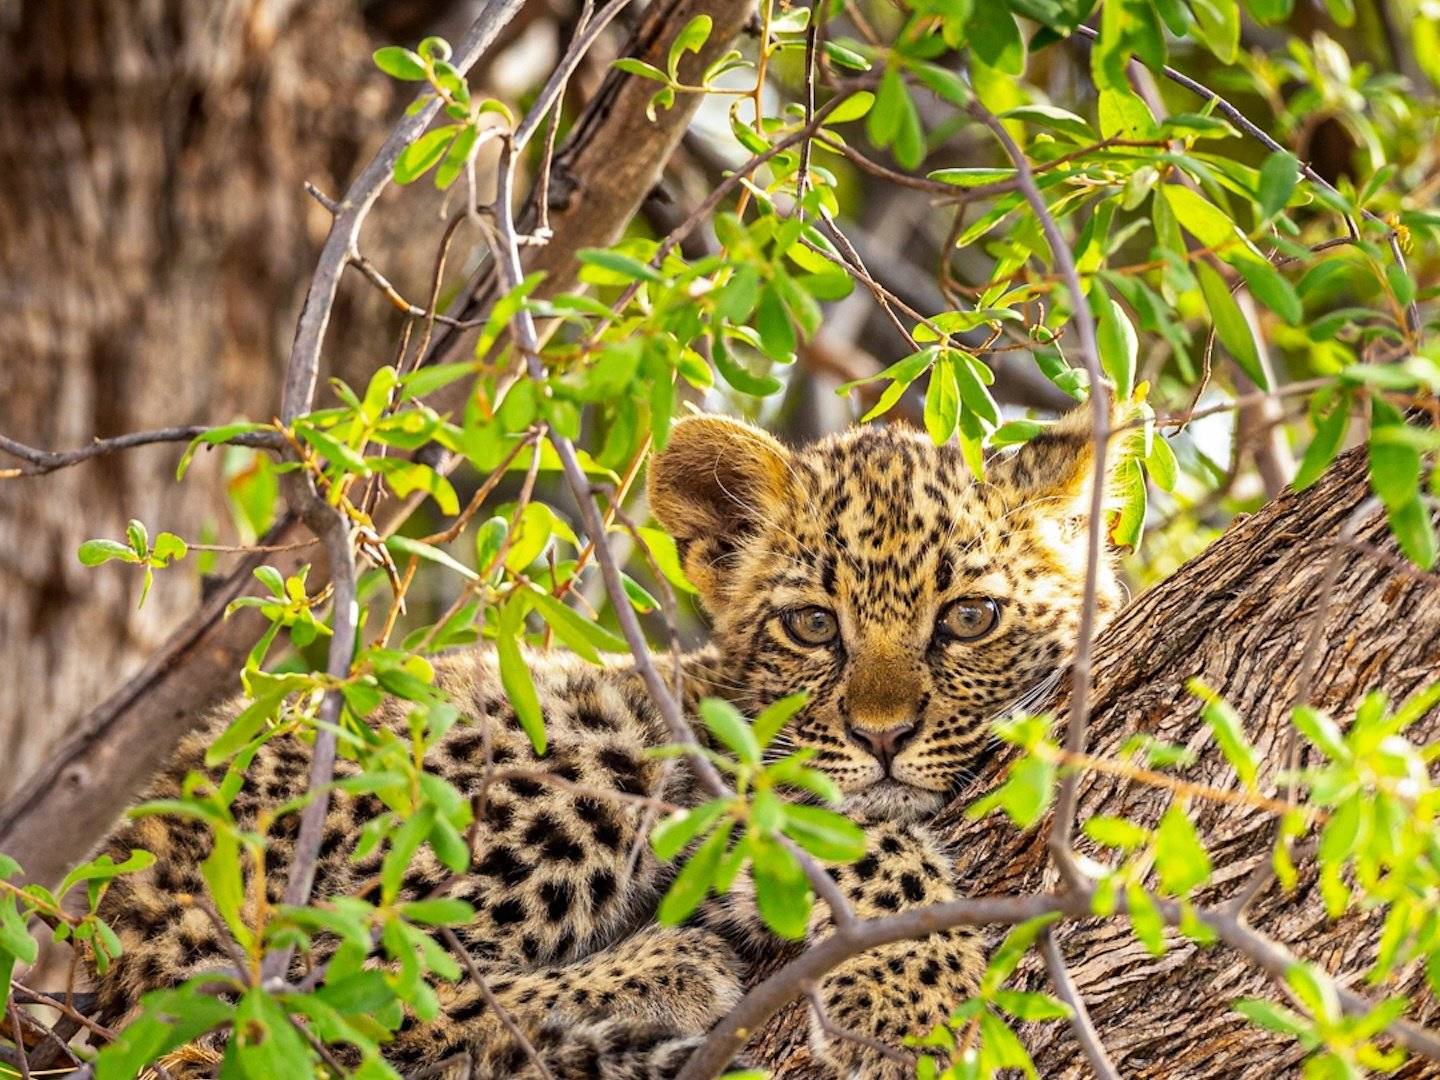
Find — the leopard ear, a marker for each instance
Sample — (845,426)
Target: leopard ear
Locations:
(714,483)
(1057,466)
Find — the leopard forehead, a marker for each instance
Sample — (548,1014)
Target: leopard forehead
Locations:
(884,524)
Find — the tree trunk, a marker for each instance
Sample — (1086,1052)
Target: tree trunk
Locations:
(1236,618)
(155,240)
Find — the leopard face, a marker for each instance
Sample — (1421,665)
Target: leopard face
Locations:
(913,604)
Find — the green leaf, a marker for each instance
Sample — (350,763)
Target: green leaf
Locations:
(441,911)
(1030,1006)
(246,726)
(456,156)
(336,453)
(1217,25)
(694,879)
(515,675)
(96,552)
(359,992)
(1229,733)
(824,833)
(575,630)
(15,939)
(1123,115)
(1278,177)
(403,545)
(1180,858)
(211,438)
(1058,121)
(777,335)
(400,63)
(423,154)
(662,549)
(616,262)
(266,1043)
(995,39)
(973,380)
(731,729)
(672,835)
(1116,832)
(404,843)
(776,715)
(740,377)
(1024,796)
(1231,326)
(971,177)
(782,895)
(530,536)
(1414,531)
(1330,428)
(1128,527)
(1274,1017)
(1145,919)
(631,66)
(1119,347)
(1204,220)
(883,121)
(1271,288)
(1160,463)
(691,39)
(942,402)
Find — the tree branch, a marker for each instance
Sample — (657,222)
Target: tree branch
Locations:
(1069,993)
(40,462)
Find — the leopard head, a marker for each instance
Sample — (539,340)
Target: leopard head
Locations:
(912,603)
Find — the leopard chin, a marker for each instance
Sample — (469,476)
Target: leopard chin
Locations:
(892,800)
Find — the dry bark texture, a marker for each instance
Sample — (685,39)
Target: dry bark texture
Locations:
(1235,617)
(155,240)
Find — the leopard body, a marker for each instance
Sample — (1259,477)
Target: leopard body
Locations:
(862,570)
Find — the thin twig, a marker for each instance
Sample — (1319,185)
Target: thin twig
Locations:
(40,462)
(352,209)
(493,1003)
(22,1057)
(1080,1023)
(836,1031)
(1067,797)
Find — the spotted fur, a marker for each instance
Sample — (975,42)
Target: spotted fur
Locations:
(878,529)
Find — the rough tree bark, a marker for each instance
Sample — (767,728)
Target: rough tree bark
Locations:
(1236,617)
(155,240)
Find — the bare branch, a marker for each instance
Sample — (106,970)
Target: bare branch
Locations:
(507,258)
(1069,993)
(40,462)
(352,209)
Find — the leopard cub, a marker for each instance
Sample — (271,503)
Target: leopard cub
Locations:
(912,603)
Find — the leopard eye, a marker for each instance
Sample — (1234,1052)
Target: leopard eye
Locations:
(810,625)
(970,618)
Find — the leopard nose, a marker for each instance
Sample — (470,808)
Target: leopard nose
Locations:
(884,743)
